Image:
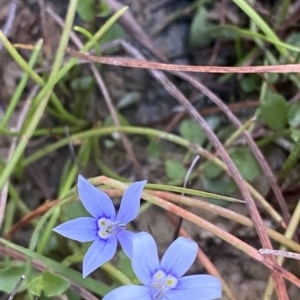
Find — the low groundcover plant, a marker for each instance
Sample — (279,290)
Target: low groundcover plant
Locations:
(163,280)
(104,227)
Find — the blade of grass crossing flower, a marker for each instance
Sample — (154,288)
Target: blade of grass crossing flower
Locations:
(152,133)
(94,286)
(83,155)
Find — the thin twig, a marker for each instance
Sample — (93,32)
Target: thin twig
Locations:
(280,253)
(45,29)
(143,64)
(10,20)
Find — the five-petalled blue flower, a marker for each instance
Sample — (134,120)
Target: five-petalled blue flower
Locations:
(104,227)
(163,280)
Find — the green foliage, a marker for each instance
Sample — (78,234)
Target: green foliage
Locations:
(245,162)
(82,83)
(110,122)
(125,266)
(114,32)
(199,36)
(212,170)
(154,149)
(9,277)
(294,115)
(75,210)
(174,169)
(223,185)
(129,99)
(86,10)
(274,111)
(48,283)
(191,131)
(104,9)
(250,83)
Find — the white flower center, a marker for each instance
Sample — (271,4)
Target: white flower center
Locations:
(161,283)
(106,228)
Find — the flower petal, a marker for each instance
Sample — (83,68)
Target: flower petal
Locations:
(100,252)
(129,292)
(130,203)
(179,257)
(125,238)
(144,257)
(80,229)
(96,202)
(198,287)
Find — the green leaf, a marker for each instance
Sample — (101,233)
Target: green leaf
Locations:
(129,99)
(224,185)
(294,39)
(48,283)
(36,286)
(154,149)
(294,115)
(191,131)
(93,285)
(113,33)
(110,122)
(199,36)
(212,170)
(54,284)
(82,83)
(75,210)
(274,111)
(245,162)
(295,134)
(125,265)
(250,82)
(174,169)
(104,9)
(9,278)
(86,10)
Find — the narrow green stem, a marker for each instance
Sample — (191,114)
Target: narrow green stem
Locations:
(20,88)
(291,161)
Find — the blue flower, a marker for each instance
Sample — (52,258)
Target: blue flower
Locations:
(104,227)
(163,280)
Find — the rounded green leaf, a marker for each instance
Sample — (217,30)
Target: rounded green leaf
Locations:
(223,185)
(54,284)
(212,170)
(294,115)
(174,169)
(274,111)
(191,131)
(154,149)
(11,276)
(295,134)
(36,286)
(245,162)
(86,10)
(199,36)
